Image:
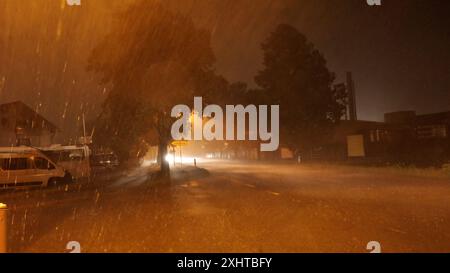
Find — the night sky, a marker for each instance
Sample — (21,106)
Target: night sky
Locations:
(399,52)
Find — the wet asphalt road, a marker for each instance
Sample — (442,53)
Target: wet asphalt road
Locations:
(238,207)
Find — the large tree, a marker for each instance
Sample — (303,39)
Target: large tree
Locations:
(296,77)
(152,60)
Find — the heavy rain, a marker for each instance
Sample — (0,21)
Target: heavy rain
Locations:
(358,106)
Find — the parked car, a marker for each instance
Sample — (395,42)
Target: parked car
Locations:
(29,169)
(105,161)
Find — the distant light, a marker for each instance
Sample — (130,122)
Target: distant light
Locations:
(147,163)
(184,159)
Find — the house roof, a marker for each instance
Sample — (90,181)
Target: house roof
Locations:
(21,110)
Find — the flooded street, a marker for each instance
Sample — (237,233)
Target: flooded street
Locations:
(238,207)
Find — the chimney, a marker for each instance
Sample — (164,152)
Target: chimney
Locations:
(351,97)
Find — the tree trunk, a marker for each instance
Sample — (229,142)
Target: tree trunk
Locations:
(162,152)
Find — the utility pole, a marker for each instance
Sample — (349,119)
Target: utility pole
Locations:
(174,156)
(181,158)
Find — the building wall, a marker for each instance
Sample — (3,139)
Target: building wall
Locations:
(7,138)
(43,140)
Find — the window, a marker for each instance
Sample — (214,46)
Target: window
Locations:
(14,164)
(379,136)
(432,131)
(372,136)
(43,164)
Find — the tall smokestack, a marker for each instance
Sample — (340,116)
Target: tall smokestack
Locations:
(351,97)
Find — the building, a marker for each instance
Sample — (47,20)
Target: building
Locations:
(403,137)
(358,139)
(432,137)
(21,125)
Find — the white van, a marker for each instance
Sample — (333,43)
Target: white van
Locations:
(74,159)
(28,169)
